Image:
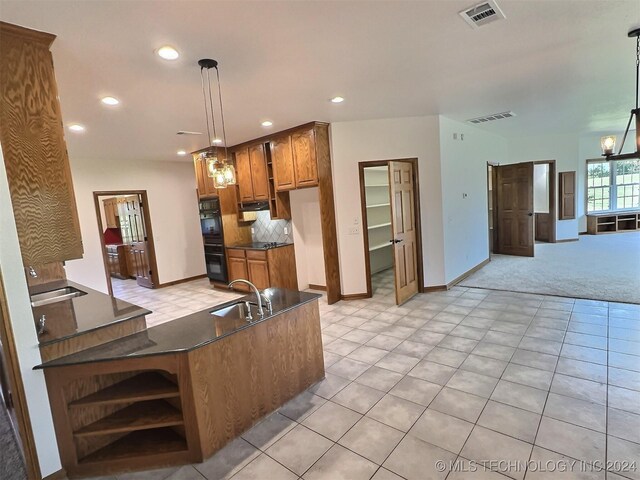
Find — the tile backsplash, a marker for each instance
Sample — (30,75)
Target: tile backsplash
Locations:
(267,230)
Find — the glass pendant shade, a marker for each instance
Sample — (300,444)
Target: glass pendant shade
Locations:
(229,174)
(608,144)
(218,179)
(212,162)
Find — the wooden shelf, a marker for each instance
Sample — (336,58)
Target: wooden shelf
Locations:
(160,442)
(371,227)
(612,222)
(139,416)
(380,246)
(377,185)
(142,387)
(379,205)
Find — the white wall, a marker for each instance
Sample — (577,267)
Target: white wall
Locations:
(307,237)
(385,139)
(464,193)
(24,332)
(541,188)
(173,205)
(561,148)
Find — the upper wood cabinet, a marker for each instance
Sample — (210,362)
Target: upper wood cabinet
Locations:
(295,162)
(251,174)
(304,158)
(111,212)
(284,177)
(204,181)
(34,149)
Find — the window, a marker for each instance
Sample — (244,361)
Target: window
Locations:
(613,185)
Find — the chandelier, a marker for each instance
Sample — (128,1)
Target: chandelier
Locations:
(220,169)
(608,143)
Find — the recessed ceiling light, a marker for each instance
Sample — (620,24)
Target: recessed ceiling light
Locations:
(267,123)
(168,52)
(182,152)
(110,101)
(216,141)
(337,100)
(75,127)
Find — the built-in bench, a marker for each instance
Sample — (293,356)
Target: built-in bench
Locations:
(613,222)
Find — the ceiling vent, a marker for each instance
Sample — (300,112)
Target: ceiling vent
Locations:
(491,118)
(185,132)
(483,13)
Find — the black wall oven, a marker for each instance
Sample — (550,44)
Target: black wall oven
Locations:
(213,239)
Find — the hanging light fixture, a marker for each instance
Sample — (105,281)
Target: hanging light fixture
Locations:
(608,143)
(221,170)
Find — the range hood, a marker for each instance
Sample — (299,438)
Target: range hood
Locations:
(254,207)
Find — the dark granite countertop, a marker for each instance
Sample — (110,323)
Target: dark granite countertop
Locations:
(185,333)
(82,314)
(259,246)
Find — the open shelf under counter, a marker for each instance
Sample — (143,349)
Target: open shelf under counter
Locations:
(160,443)
(141,387)
(138,416)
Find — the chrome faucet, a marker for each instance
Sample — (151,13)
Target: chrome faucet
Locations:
(256,291)
(33,273)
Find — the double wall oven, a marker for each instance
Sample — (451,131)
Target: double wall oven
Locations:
(212,236)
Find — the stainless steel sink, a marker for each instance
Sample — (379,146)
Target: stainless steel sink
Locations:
(53,296)
(240,310)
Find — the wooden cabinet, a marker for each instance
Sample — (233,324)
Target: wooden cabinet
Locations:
(111,214)
(117,261)
(304,158)
(34,149)
(204,181)
(295,163)
(275,267)
(284,177)
(251,174)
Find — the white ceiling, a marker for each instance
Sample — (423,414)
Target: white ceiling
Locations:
(562,66)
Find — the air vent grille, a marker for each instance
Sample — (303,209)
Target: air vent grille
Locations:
(491,118)
(482,14)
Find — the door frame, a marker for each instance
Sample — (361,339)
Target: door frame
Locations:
(417,219)
(553,208)
(151,248)
(18,394)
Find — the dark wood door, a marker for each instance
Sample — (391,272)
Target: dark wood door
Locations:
(283,171)
(259,173)
(243,175)
(514,206)
(403,225)
(304,158)
(134,234)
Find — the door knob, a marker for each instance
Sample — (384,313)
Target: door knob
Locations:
(530,214)
(395,240)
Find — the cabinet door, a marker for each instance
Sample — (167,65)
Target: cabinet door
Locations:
(200,172)
(34,149)
(259,174)
(284,177)
(258,273)
(304,158)
(243,175)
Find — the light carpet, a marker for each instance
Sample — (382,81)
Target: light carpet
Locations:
(599,267)
(11,461)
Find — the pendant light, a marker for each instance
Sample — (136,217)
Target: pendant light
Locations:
(221,170)
(608,143)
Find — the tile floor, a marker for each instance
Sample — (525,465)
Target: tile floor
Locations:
(465,376)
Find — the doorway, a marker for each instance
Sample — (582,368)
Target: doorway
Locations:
(521,206)
(391,227)
(126,238)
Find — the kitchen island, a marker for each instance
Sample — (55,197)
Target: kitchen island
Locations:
(178,392)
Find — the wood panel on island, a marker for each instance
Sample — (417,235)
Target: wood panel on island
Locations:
(34,149)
